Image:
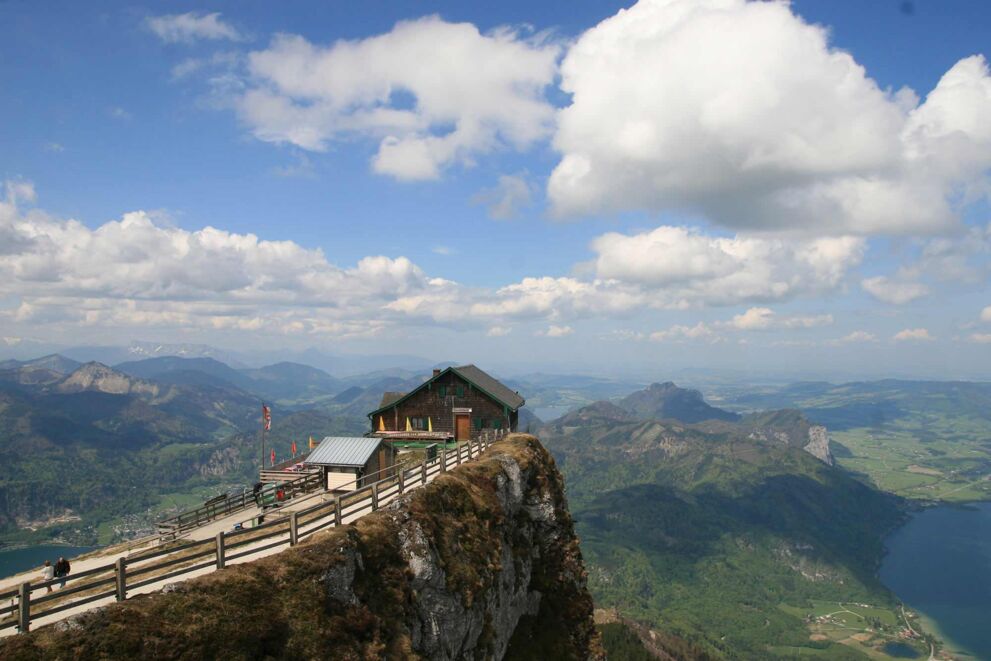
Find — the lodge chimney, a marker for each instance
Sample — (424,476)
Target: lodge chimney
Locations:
(436,372)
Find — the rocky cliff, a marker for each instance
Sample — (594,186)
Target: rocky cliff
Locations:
(482,563)
(791,427)
(818,445)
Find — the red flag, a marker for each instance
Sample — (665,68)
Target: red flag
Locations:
(267,417)
(294,448)
(273,457)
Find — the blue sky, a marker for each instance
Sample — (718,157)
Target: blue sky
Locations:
(562,185)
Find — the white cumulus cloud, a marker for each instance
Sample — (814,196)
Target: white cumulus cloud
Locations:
(765,318)
(139,271)
(913,334)
(743,112)
(894,291)
(695,268)
(858,336)
(680,332)
(556,331)
(431,92)
(191,26)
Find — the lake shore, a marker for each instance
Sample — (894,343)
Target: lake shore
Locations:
(939,564)
(28,557)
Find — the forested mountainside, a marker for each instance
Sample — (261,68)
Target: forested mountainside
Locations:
(481,563)
(83,445)
(721,533)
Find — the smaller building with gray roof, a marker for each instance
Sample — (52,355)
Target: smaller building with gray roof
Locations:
(348,462)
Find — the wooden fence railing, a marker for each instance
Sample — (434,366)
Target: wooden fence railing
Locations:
(171,561)
(230,504)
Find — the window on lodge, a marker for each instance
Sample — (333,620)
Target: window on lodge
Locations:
(418,424)
(456,391)
(486,423)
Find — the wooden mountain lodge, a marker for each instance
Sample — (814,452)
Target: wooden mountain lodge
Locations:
(454,404)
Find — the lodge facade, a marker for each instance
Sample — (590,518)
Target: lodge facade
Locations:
(456,403)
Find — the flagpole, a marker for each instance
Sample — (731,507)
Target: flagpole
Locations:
(263,440)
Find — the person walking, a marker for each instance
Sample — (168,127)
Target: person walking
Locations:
(62,571)
(48,573)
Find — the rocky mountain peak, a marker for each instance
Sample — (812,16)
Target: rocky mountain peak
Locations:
(100,378)
(668,401)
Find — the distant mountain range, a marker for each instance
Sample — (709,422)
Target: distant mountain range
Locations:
(339,365)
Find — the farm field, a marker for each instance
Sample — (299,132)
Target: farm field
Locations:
(918,439)
(916,463)
(863,627)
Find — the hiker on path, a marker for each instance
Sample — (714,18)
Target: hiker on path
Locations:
(48,573)
(62,568)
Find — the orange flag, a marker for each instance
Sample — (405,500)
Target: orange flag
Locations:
(273,456)
(294,448)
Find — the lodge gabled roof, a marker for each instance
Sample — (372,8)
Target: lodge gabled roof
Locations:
(480,379)
(490,385)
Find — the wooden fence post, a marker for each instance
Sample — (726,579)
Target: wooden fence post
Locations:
(293,528)
(443,461)
(337,511)
(402,479)
(469,449)
(423,472)
(24,608)
(458,449)
(375,496)
(221,561)
(121,571)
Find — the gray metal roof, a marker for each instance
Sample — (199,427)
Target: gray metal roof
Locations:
(491,385)
(344,451)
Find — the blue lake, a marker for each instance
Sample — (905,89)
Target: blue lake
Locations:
(18,560)
(940,564)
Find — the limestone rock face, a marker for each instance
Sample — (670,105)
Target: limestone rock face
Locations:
(818,445)
(482,563)
(100,378)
